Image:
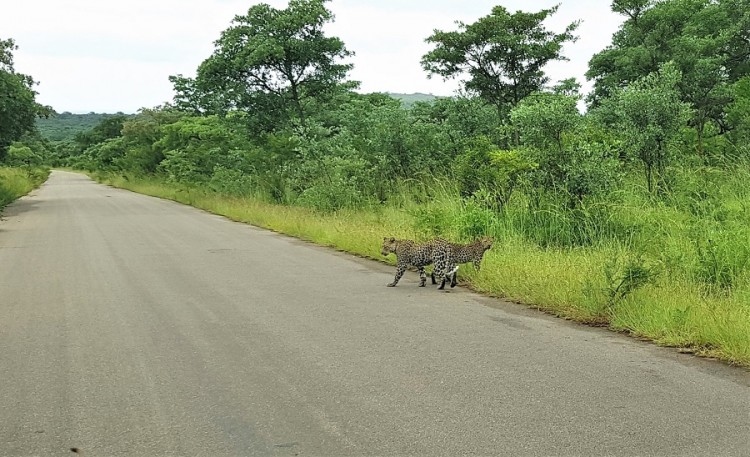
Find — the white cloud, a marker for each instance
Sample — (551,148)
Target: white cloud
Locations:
(104,56)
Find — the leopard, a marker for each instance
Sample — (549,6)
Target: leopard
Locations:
(454,254)
(413,253)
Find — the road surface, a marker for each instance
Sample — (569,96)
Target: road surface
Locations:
(137,326)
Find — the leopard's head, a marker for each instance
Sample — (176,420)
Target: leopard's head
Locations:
(389,246)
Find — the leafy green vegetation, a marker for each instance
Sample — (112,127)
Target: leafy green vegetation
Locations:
(632,215)
(18,106)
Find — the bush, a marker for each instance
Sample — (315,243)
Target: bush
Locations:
(333,183)
(20,155)
(484,167)
(432,220)
(568,152)
(475,219)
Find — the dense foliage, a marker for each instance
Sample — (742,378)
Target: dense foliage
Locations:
(707,40)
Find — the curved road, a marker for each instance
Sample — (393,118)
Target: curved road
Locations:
(138,326)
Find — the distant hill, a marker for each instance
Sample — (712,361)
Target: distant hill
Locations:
(410,99)
(65,126)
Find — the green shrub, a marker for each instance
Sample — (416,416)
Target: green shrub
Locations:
(333,183)
(432,220)
(475,220)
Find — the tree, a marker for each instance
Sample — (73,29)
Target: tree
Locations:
(631,8)
(461,120)
(738,38)
(191,98)
(270,61)
(706,39)
(643,42)
(18,108)
(503,54)
(649,116)
(563,145)
(544,118)
(140,133)
(484,170)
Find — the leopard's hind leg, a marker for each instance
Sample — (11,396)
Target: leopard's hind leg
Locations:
(444,270)
(453,274)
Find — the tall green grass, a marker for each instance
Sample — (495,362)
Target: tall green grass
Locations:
(673,270)
(16,182)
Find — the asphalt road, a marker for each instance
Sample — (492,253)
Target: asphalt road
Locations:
(135,326)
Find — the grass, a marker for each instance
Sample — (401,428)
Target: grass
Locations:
(647,276)
(16,182)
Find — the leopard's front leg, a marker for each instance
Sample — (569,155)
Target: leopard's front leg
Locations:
(440,271)
(422,277)
(399,272)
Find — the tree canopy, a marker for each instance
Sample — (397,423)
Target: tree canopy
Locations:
(273,61)
(502,54)
(708,41)
(18,107)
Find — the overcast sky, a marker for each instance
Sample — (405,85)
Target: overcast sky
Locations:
(109,56)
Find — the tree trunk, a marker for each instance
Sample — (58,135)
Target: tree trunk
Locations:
(298,104)
(700,129)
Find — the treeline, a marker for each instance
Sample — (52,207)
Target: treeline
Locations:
(272,109)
